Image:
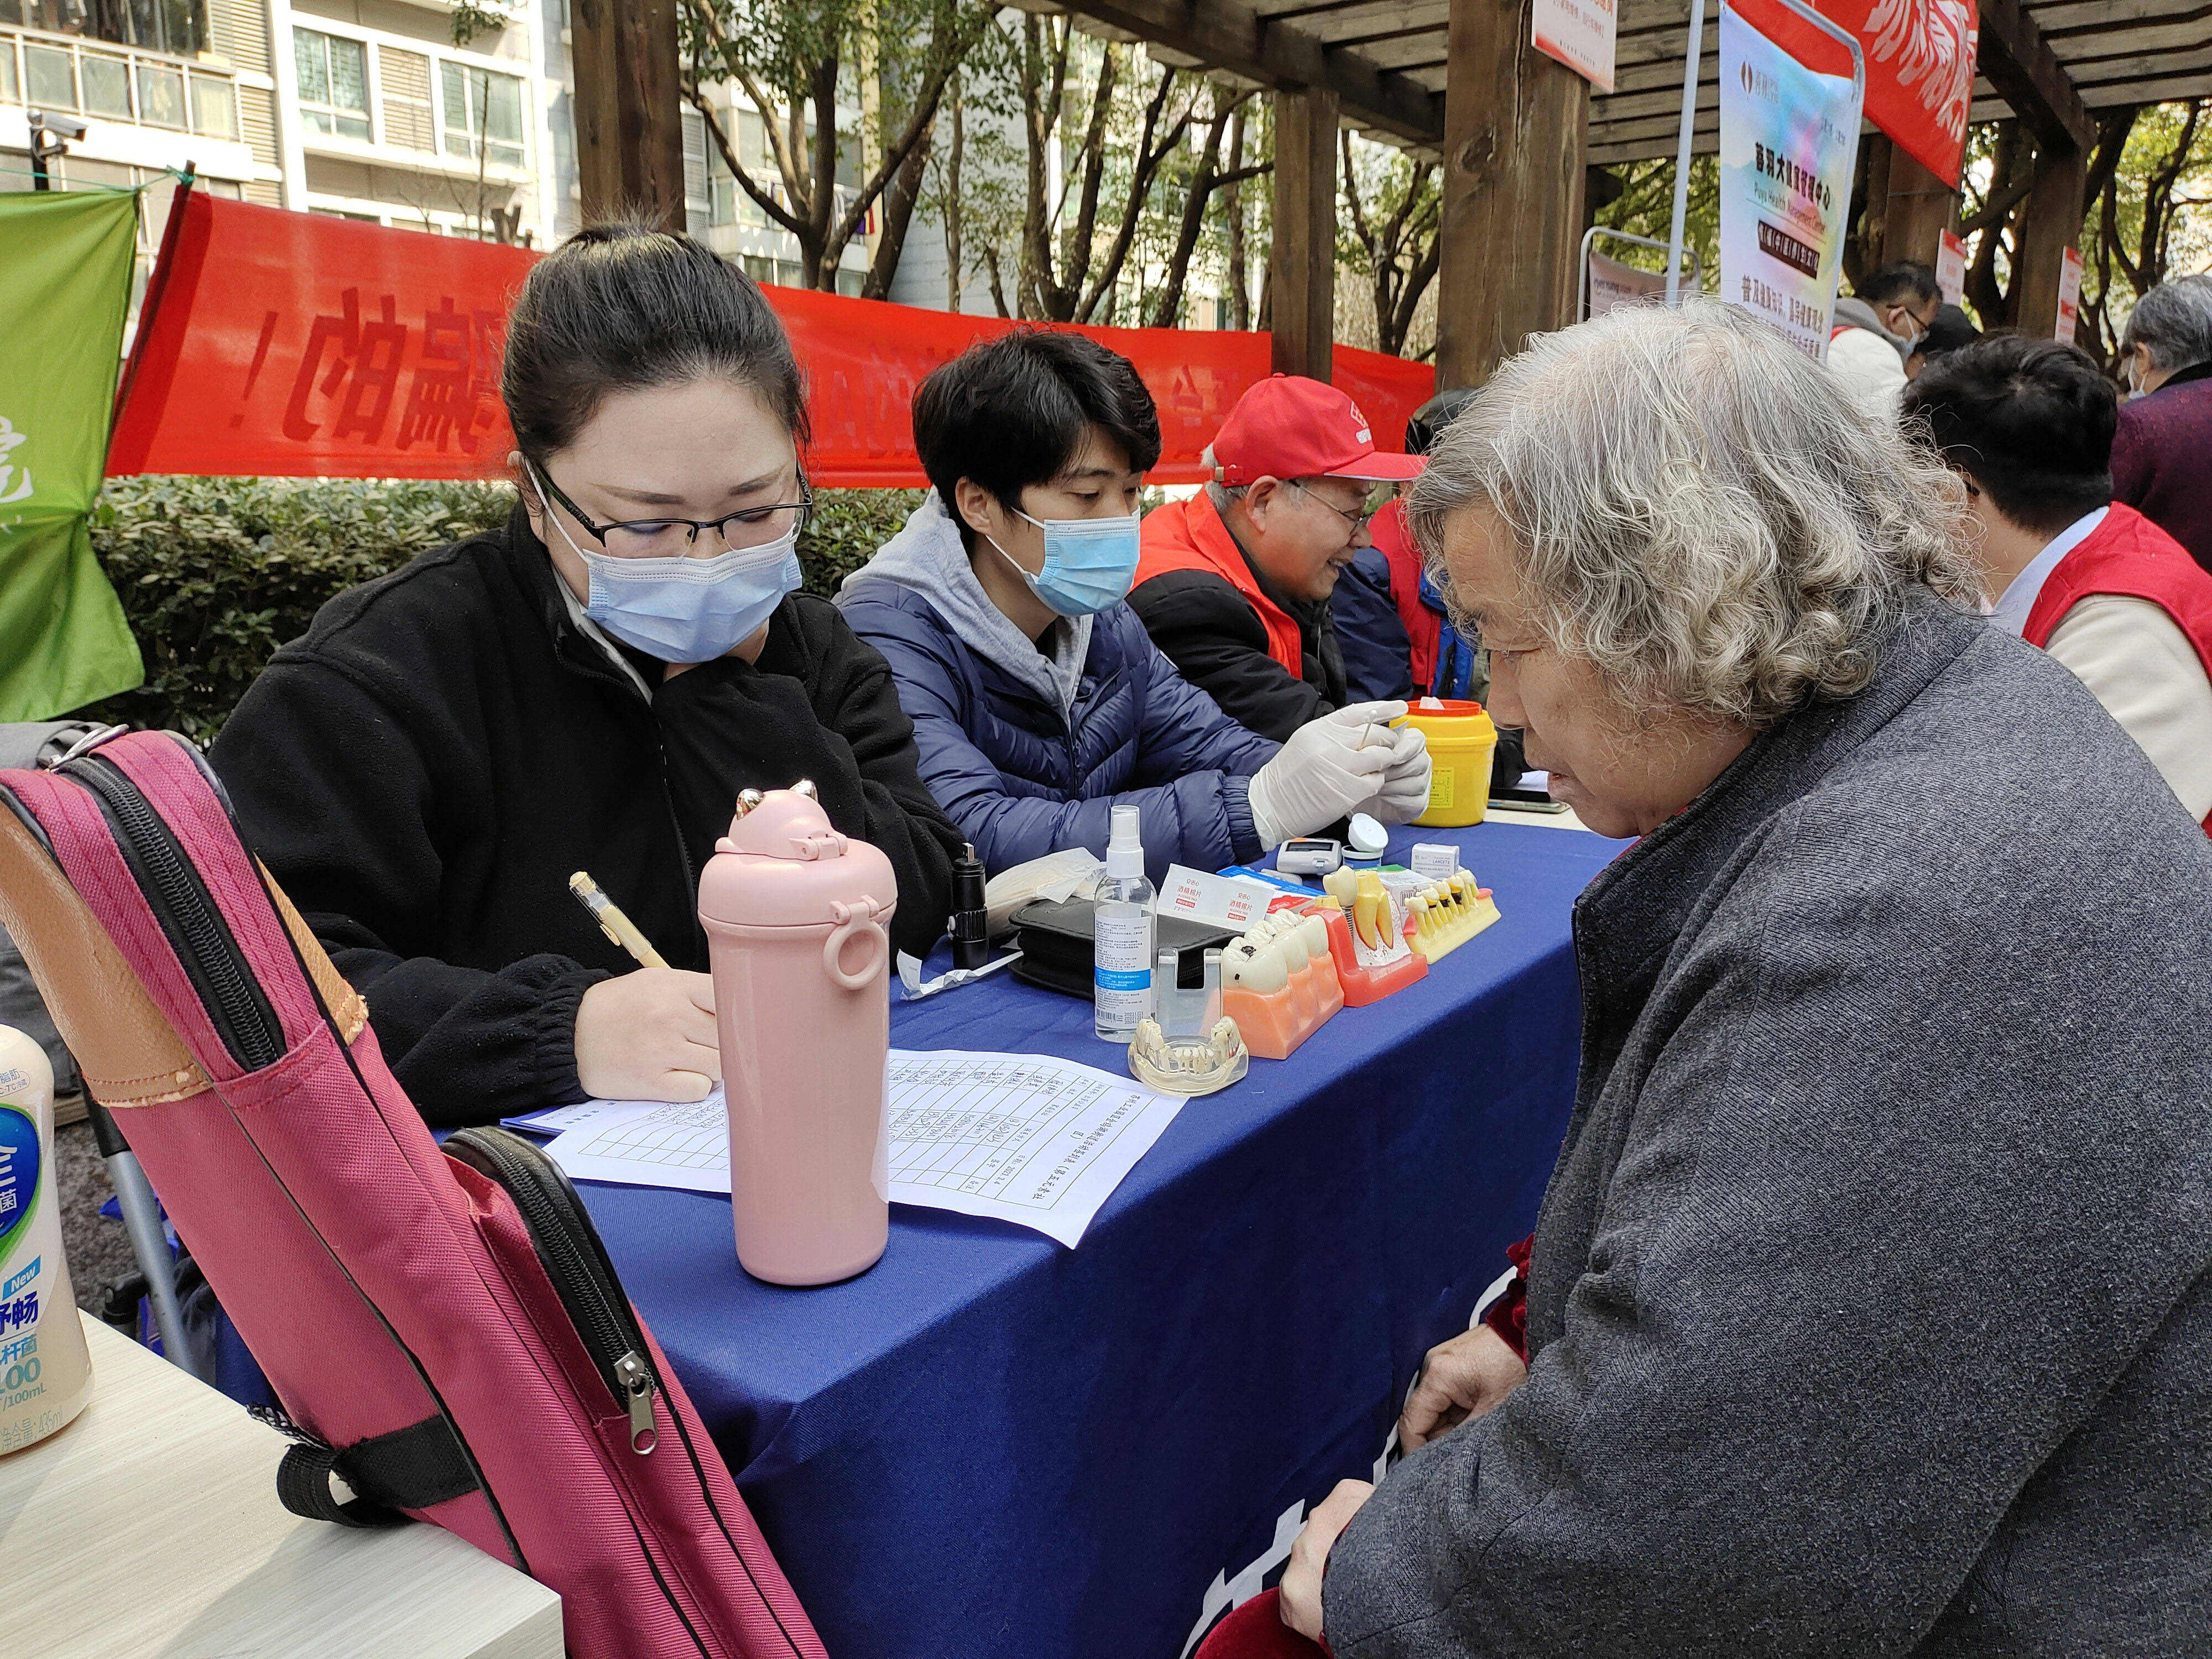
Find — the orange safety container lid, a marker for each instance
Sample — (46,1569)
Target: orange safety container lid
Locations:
(1442,715)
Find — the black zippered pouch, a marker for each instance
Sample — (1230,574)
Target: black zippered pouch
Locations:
(1057,940)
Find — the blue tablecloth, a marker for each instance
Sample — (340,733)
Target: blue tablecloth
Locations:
(988,1445)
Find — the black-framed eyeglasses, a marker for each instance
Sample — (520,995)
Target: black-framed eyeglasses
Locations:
(639,537)
(1360,519)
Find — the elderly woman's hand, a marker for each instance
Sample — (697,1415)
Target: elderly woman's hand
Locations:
(1462,1378)
(1301,1589)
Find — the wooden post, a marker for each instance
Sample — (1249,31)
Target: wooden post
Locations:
(2050,225)
(1516,128)
(1921,207)
(1302,260)
(629,109)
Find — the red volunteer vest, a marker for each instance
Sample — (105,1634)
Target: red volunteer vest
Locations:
(1424,627)
(1190,535)
(2129,555)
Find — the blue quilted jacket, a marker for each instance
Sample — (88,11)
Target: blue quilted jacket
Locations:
(1021,780)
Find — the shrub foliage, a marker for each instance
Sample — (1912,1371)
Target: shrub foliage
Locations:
(214,574)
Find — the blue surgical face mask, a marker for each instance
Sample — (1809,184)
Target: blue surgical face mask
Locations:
(688,610)
(1089,563)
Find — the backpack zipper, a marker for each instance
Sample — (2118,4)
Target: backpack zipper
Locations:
(577,1261)
(189,919)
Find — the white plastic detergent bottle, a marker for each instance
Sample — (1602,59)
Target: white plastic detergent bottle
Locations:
(46,1370)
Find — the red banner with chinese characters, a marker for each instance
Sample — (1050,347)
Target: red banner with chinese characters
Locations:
(291,344)
(1919,66)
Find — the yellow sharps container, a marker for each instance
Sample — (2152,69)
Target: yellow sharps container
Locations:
(1462,740)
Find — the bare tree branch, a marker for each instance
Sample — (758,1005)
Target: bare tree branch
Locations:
(1145,169)
(768,203)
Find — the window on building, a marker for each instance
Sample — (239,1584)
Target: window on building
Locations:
(49,76)
(850,281)
(333,74)
(11,90)
(215,107)
(698,209)
(176,27)
(107,84)
(783,273)
(160,95)
(482,108)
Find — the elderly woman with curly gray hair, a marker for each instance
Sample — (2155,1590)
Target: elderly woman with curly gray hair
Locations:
(1869,1309)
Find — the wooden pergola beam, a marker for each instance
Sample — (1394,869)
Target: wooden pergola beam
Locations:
(629,109)
(2019,62)
(1230,35)
(1303,279)
(1512,187)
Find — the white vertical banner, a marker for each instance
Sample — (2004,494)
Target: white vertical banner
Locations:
(1788,139)
(1951,269)
(2070,294)
(1579,34)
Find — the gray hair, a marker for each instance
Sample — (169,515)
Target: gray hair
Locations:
(2174,323)
(1701,512)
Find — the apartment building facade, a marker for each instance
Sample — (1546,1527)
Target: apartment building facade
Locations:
(365,109)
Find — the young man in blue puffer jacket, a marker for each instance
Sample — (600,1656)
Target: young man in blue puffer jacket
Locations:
(1038,699)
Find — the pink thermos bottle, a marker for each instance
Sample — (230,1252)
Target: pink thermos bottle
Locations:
(795,913)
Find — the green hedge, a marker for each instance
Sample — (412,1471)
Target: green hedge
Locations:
(214,574)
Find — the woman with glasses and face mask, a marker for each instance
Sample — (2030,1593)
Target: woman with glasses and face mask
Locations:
(588,688)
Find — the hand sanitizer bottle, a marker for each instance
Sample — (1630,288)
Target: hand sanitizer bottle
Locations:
(1121,956)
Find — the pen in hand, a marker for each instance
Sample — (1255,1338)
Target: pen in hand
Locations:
(612,922)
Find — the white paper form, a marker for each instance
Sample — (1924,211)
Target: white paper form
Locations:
(1029,1139)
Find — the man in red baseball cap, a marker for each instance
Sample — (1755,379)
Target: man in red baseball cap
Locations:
(1234,584)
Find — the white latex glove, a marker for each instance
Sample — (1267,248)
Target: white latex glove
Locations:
(1405,793)
(1328,766)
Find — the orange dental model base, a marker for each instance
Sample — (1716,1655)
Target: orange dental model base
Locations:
(1367,936)
(1279,984)
(1443,915)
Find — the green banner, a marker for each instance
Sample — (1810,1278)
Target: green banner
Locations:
(66,261)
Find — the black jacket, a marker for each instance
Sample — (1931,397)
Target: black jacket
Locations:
(426,767)
(1217,642)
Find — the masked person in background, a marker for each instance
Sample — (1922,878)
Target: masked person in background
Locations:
(588,688)
(1039,702)
(1877,328)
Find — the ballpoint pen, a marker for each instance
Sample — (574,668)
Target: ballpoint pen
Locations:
(612,922)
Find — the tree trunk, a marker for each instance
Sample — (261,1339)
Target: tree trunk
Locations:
(897,202)
(1169,304)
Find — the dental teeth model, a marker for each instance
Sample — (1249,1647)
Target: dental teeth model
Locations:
(1278,982)
(1189,1047)
(1365,923)
(1449,913)
(1185,1067)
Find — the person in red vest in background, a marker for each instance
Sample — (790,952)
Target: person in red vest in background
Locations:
(1424,615)
(2028,424)
(1445,663)
(1234,584)
(2160,453)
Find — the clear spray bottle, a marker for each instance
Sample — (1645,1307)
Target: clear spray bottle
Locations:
(1122,959)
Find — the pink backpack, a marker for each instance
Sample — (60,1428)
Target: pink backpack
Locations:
(442,1326)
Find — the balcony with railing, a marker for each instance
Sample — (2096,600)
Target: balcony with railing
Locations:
(146,81)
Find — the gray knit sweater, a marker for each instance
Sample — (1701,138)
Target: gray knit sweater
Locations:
(1870,1305)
